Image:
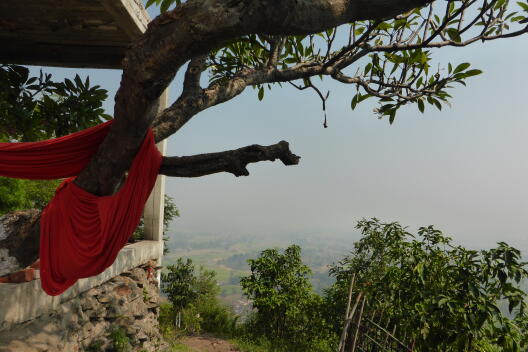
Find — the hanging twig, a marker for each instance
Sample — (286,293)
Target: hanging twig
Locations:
(308,84)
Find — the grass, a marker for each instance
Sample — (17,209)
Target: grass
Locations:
(172,338)
(245,345)
(177,346)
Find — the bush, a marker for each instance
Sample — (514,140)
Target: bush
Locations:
(120,340)
(216,318)
(204,315)
(18,194)
(287,311)
(194,294)
(247,344)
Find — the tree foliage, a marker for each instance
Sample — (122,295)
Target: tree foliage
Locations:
(288,312)
(193,294)
(390,60)
(179,283)
(24,194)
(34,108)
(441,296)
(431,294)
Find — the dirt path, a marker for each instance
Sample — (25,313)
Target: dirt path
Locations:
(207,343)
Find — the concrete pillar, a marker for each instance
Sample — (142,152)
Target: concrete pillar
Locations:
(153,212)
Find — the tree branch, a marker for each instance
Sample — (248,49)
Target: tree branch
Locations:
(20,230)
(195,28)
(232,161)
(191,82)
(186,106)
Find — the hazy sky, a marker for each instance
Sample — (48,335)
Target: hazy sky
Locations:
(463,169)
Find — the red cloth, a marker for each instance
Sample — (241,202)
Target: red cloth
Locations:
(80,233)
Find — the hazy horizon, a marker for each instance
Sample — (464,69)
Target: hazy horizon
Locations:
(462,169)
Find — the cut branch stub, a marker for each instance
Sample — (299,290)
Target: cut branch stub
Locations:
(193,29)
(19,240)
(20,230)
(232,161)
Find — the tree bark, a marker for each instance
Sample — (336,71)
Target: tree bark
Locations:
(191,30)
(19,240)
(20,230)
(172,39)
(232,161)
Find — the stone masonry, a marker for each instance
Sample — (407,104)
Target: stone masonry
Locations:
(119,315)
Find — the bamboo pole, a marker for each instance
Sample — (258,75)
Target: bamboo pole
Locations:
(349,300)
(347,324)
(375,342)
(353,348)
(386,335)
(350,289)
(387,332)
(369,328)
(394,332)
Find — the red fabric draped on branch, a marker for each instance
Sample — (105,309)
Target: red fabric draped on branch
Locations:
(80,233)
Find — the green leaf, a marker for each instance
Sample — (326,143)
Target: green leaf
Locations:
(165,5)
(523,5)
(437,104)
(421,105)
(363,97)
(471,73)
(392,116)
(149,3)
(261,93)
(461,67)
(354,101)
(367,69)
(499,4)
(454,34)
(360,30)
(78,81)
(69,84)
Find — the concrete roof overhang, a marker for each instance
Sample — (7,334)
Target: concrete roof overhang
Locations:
(69,33)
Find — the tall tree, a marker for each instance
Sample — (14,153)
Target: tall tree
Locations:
(380,47)
(287,311)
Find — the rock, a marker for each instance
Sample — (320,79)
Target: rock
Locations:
(104,299)
(123,290)
(86,322)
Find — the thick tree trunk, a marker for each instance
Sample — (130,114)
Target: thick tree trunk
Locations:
(191,30)
(20,230)
(194,29)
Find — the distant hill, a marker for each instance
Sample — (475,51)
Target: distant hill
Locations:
(227,255)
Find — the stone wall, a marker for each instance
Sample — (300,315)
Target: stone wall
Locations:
(119,315)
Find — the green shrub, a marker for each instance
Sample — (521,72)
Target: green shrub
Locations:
(166,318)
(18,194)
(120,339)
(216,318)
(194,293)
(247,344)
(287,311)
